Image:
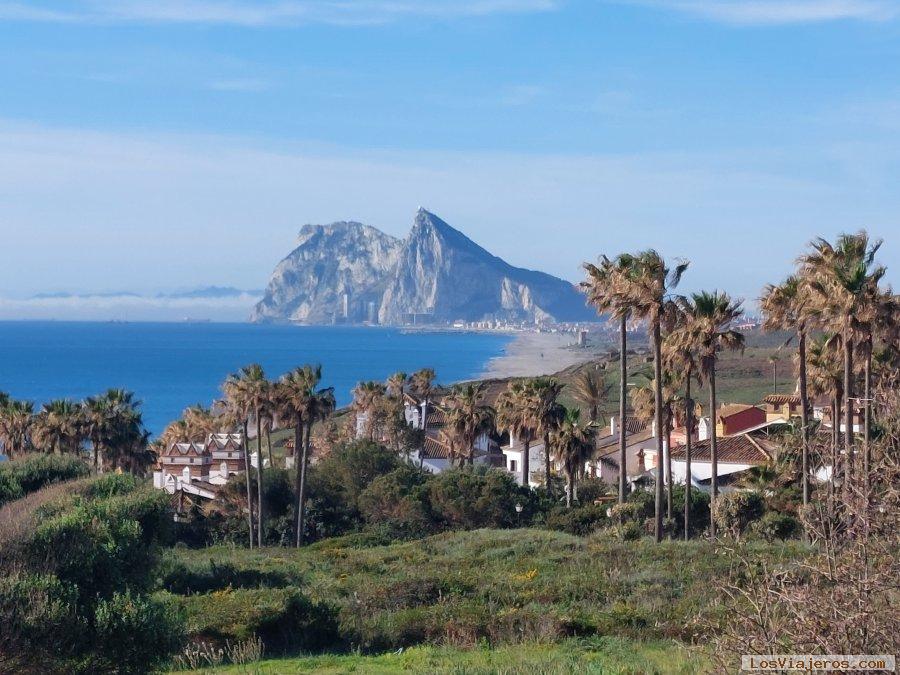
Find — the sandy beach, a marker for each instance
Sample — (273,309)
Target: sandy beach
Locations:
(533,354)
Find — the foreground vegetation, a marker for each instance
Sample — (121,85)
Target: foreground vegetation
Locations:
(587,655)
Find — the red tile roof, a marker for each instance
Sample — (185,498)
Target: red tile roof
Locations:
(740,449)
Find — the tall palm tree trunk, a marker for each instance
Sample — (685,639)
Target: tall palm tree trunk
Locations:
(713,452)
(570,489)
(303,464)
(260,520)
(848,410)
(298,476)
(867,422)
(668,449)
(269,444)
(547,461)
(804,417)
(526,458)
(835,437)
(688,423)
(657,397)
(623,393)
(248,476)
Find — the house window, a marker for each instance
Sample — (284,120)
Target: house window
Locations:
(512,465)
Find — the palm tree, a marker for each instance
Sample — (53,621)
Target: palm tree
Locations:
(645,290)
(126,439)
(396,385)
(713,315)
(574,444)
(548,416)
(826,378)
(200,423)
(840,277)
(643,402)
(467,418)
(603,288)
(680,356)
(517,409)
(16,421)
(366,401)
(59,427)
(421,385)
(247,392)
(305,404)
(788,307)
(591,391)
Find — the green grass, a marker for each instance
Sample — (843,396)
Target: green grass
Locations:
(599,655)
(463,589)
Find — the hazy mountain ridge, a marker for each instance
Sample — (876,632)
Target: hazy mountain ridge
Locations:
(352,272)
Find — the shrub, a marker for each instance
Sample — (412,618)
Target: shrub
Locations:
(30,473)
(777,526)
(135,633)
(398,503)
(580,521)
(284,619)
(183,579)
(74,603)
(735,511)
(474,498)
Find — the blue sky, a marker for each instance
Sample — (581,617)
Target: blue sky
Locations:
(160,145)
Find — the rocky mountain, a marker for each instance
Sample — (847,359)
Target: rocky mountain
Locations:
(351,272)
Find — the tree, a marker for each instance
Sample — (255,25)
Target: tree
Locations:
(574,445)
(840,276)
(246,393)
(590,390)
(421,386)
(517,409)
(16,422)
(645,290)
(712,315)
(467,418)
(604,290)
(787,307)
(200,422)
(826,378)
(680,357)
(396,385)
(125,440)
(367,402)
(60,427)
(548,416)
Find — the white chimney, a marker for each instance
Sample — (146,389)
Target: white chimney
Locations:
(612,425)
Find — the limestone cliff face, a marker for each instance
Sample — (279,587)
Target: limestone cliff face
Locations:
(334,273)
(436,275)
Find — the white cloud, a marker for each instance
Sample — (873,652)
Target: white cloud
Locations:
(95,210)
(265,12)
(775,12)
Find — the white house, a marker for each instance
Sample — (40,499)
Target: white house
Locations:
(514,455)
(736,454)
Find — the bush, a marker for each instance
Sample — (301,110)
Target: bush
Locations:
(580,521)
(475,498)
(30,473)
(72,601)
(777,526)
(135,634)
(284,619)
(735,511)
(397,503)
(177,577)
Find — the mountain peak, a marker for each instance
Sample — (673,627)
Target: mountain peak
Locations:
(352,272)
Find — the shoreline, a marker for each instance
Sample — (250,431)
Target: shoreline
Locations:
(536,354)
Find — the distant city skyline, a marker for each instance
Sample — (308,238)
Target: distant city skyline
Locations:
(151,146)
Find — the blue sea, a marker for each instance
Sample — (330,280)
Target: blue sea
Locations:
(173,365)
